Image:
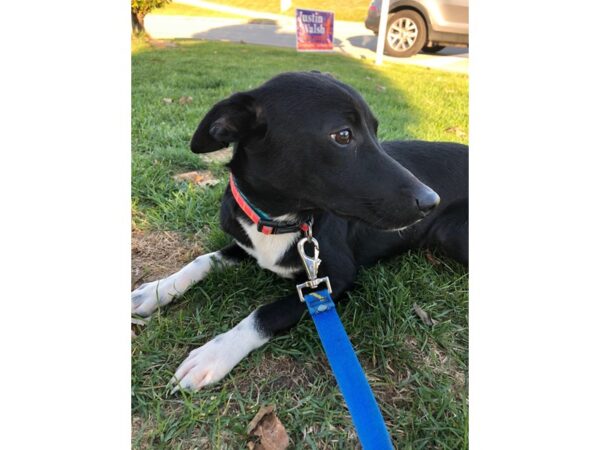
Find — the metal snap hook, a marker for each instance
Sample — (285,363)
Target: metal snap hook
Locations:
(311,263)
(309,233)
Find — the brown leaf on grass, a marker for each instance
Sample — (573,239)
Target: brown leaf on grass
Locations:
(270,431)
(168,101)
(136,325)
(140,322)
(423,315)
(197,177)
(380,88)
(220,156)
(457,131)
(432,259)
(185,100)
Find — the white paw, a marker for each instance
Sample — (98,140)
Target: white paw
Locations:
(149,296)
(215,359)
(204,365)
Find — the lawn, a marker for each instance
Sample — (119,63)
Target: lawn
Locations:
(353,10)
(418,372)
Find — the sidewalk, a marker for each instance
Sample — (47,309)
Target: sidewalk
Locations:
(350,38)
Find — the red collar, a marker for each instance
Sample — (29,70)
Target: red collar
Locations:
(263,222)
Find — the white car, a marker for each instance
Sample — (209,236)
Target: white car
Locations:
(422,25)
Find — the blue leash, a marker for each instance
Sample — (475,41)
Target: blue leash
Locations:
(351,379)
(348,373)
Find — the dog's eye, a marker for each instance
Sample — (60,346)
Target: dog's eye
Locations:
(342,137)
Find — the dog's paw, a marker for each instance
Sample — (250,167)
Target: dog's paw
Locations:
(149,296)
(205,365)
(215,359)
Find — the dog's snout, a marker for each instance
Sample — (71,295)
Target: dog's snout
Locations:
(427,201)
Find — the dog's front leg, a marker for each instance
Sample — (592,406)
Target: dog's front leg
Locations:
(150,296)
(215,359)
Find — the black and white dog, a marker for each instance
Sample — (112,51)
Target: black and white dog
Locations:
(306,151)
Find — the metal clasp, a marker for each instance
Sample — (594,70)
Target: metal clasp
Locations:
(311,265)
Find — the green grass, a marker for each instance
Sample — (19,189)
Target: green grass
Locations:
(418,372)
(352,10)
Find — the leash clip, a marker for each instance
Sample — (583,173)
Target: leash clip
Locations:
(311,265)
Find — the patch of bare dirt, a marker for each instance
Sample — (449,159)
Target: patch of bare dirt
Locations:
(159,43)
(436,359)
(285,373)
(145,435)
(157,254)
(141,435)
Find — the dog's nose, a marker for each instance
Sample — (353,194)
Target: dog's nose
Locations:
(427,201)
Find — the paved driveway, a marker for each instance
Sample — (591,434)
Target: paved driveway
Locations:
(351,38)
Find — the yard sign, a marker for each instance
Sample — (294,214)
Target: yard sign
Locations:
(314,30)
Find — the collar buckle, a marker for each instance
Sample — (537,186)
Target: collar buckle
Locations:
(268,226)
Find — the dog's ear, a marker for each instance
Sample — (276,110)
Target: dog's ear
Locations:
(228,121)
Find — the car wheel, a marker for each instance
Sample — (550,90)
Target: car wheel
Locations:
(433,49)
(406,33)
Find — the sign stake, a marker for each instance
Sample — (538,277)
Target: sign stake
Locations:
(383,18)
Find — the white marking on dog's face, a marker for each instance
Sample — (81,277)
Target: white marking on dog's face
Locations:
(149,296)
(215,359)
(269,249)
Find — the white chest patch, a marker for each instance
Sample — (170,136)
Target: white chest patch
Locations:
(269,249)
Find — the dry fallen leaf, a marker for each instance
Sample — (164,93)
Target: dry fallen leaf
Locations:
(197,177)
(137,322)
(432,259)
(457,131)
(380,88)
(269,429)
(140,322)
(423,315)
(185,100)
(168,100)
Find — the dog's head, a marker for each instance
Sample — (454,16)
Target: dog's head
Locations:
(305,141)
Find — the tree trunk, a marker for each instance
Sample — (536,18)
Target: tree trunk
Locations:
(137,23)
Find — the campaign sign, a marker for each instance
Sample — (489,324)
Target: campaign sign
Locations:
(314,30)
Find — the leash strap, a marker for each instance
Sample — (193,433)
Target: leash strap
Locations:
(348,373)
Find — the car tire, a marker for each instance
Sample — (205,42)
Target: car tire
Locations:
(433,49)
(406,33)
